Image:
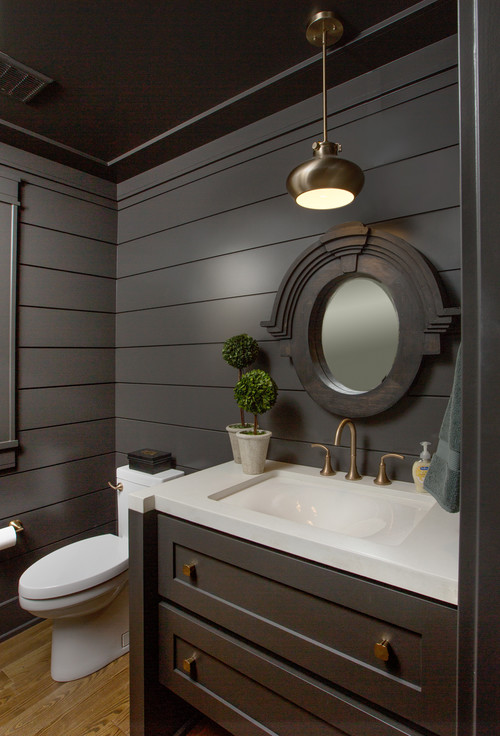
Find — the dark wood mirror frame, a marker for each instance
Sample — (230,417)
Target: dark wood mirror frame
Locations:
(353,250)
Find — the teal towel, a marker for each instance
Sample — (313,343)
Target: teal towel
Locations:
(443,476)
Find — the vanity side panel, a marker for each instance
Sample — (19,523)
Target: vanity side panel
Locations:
(153,708)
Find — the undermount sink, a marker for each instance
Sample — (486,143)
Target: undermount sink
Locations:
(354,509)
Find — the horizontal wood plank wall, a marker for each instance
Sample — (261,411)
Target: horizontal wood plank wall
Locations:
(204,242)
(66,404)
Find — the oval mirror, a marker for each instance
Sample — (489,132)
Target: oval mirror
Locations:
(359,335)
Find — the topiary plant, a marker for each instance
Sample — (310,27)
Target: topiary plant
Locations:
(256,392)
(239,352)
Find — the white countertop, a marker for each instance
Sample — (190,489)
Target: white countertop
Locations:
(426,562)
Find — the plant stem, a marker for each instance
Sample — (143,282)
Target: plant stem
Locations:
(255,423)
(242,413)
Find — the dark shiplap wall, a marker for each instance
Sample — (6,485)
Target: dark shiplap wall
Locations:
(65,376)
(204,242)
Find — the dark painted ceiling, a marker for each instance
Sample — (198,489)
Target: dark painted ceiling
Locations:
(127,72)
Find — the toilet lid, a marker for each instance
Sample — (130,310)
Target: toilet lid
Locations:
(75,567)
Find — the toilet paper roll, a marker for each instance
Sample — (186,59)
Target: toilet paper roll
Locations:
(8,537)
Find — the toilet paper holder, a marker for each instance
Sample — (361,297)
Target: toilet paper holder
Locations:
(10,534)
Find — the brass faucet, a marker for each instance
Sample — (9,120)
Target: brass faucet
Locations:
(353,471)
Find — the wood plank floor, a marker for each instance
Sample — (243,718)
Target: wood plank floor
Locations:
(32,704)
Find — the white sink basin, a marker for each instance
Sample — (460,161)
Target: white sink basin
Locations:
(357,509)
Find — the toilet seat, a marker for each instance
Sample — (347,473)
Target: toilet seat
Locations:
(76,604)
(76,567)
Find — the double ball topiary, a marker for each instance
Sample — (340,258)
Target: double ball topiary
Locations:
(239,352)
(256,392)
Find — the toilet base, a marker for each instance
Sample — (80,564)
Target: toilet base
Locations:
(83,644)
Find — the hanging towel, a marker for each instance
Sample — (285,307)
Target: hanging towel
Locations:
(443,477)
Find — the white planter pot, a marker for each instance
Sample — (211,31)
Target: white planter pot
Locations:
(232,429)
(253,450)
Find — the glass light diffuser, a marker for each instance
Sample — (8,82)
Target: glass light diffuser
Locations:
(325,199)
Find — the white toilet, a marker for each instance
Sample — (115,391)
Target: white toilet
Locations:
(83,587)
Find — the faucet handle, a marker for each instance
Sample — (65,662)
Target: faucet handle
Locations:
(382,479)
(327,467)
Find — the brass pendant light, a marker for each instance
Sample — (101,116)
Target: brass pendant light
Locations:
(325,181)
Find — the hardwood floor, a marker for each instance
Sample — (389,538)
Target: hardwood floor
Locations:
(32,704)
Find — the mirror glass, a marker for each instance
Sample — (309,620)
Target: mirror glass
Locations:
(359,335)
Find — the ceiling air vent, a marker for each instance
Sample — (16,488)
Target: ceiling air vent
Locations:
(19,81)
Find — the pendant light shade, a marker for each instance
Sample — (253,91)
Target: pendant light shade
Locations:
(325,181)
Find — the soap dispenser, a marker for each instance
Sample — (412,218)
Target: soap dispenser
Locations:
(420,468)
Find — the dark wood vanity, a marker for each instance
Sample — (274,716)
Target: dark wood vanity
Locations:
(264,642)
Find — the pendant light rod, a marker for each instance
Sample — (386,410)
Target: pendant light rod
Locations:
(324,30)
(324,86)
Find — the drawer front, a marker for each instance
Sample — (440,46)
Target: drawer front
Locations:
(327,622)
(250,693)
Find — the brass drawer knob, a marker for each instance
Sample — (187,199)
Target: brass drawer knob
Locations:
(381,650)
(189,665)
(189,570)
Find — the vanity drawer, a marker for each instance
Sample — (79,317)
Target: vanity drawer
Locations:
(250,693)
(317,618)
